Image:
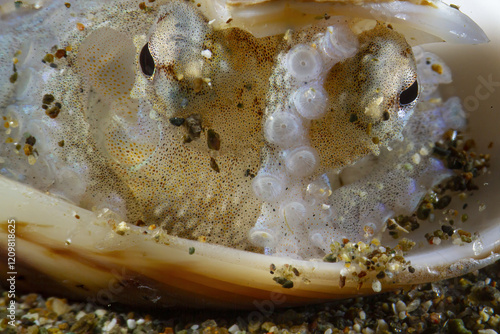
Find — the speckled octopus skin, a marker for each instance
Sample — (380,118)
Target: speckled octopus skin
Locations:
(246,160)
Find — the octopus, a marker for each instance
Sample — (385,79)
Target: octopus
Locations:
(204,153)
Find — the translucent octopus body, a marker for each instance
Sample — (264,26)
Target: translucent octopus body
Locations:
(306,109)
(280,144)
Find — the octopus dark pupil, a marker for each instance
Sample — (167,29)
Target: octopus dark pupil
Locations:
(146,60)
(409,95)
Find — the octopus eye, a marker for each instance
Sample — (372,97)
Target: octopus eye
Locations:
(409,95)
(146,60)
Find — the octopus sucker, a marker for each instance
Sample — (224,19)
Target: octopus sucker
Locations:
(214,154)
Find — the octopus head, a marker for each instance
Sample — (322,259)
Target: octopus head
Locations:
(172,60)
(376,89)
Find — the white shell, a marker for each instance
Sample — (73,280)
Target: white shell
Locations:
(59,245)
